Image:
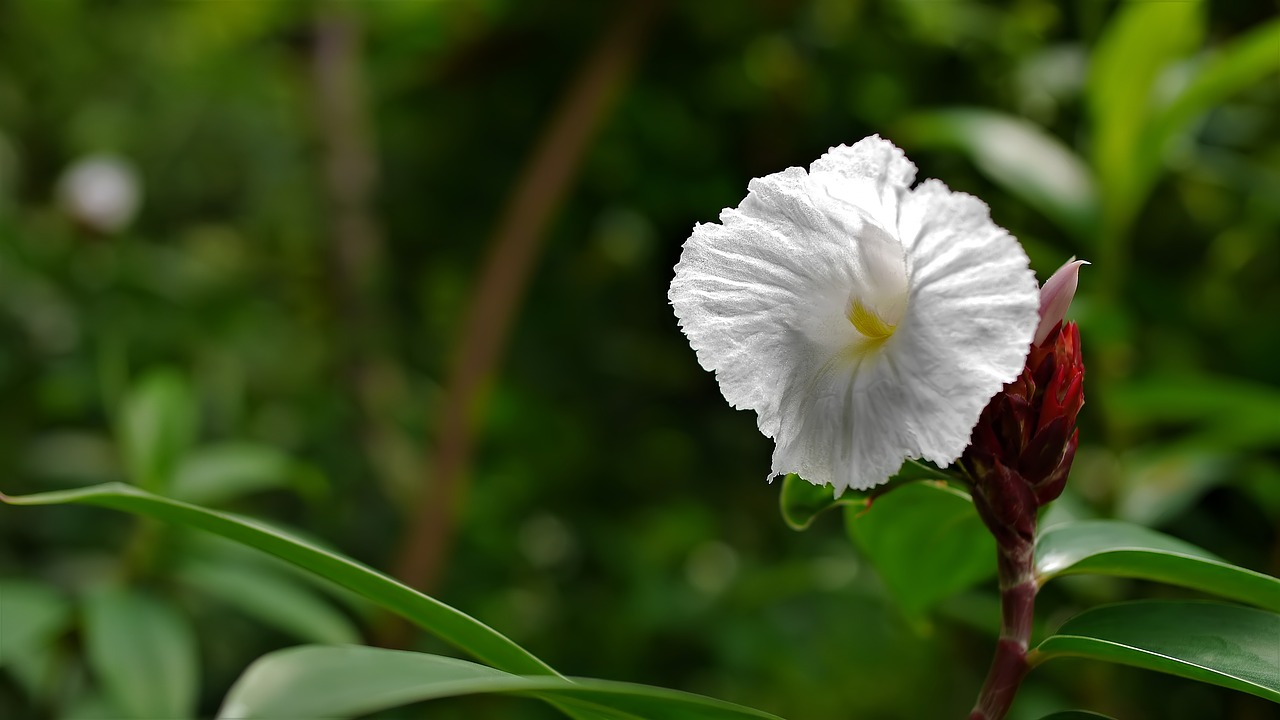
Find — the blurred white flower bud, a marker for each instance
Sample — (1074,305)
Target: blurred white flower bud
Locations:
(101,191)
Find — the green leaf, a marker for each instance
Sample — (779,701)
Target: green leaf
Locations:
(336,682)
(802,502)
(218,473)
(272,599)
(143,652)
(449,624)
(1227,645)
(926,541)
(1244,62)
(157,425)
(89,706)
(1107,547)
(31,615)
(1240,414)
(1156,485)
(1141,40)
(1019,156)
(1076,715)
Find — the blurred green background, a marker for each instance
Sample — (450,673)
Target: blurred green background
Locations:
(331,197)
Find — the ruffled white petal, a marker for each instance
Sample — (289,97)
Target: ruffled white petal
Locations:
(766,298)
(973,309)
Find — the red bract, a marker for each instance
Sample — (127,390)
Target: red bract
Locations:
(1023,445)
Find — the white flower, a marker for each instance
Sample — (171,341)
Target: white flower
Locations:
(864,321)
(102,191)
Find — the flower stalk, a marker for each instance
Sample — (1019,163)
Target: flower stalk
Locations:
(1017,462)
(1017,607)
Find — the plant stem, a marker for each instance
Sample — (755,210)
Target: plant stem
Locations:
(1017,604)
(543,184)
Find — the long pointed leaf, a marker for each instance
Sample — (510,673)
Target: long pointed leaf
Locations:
(346,681)
(1018,155)
(453,626)
(1244,62)
(1228,645)
(1107,547)
(1141,40)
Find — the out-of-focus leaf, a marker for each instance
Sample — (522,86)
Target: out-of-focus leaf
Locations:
(802,502)
(1018,155)
(1233,68)
(218,550)
(1227,645)
(1261,481)
(1140,41)
(143,652)
(90,706)
(218,473)
(72,457)
(1107,547)
(1155,487)
(1076,715)
(926,541)
(157,425)
(31,615)
(975,609)
(338,682)
(272,599)
(1241,413)
(449,624)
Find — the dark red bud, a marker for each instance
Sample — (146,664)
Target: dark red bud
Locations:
(1044,451)
(1049,490)
(1010,504)
(1063,396)
(1021,450)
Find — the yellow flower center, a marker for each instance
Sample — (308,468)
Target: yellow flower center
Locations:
(867,322)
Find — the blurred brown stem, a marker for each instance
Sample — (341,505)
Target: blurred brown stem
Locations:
(513,249)
(350,167)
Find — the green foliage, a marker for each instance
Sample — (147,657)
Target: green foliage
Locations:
(1226,645)
(925,541)
(143,652)
(1105,547)
(341,682)
(616,501)
(801,502)
(31,614)
(157,426)
(1229,70)
(271,599)
(1021,157)
(449,624)
(1221,413)
(216,474)
(1121,88)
